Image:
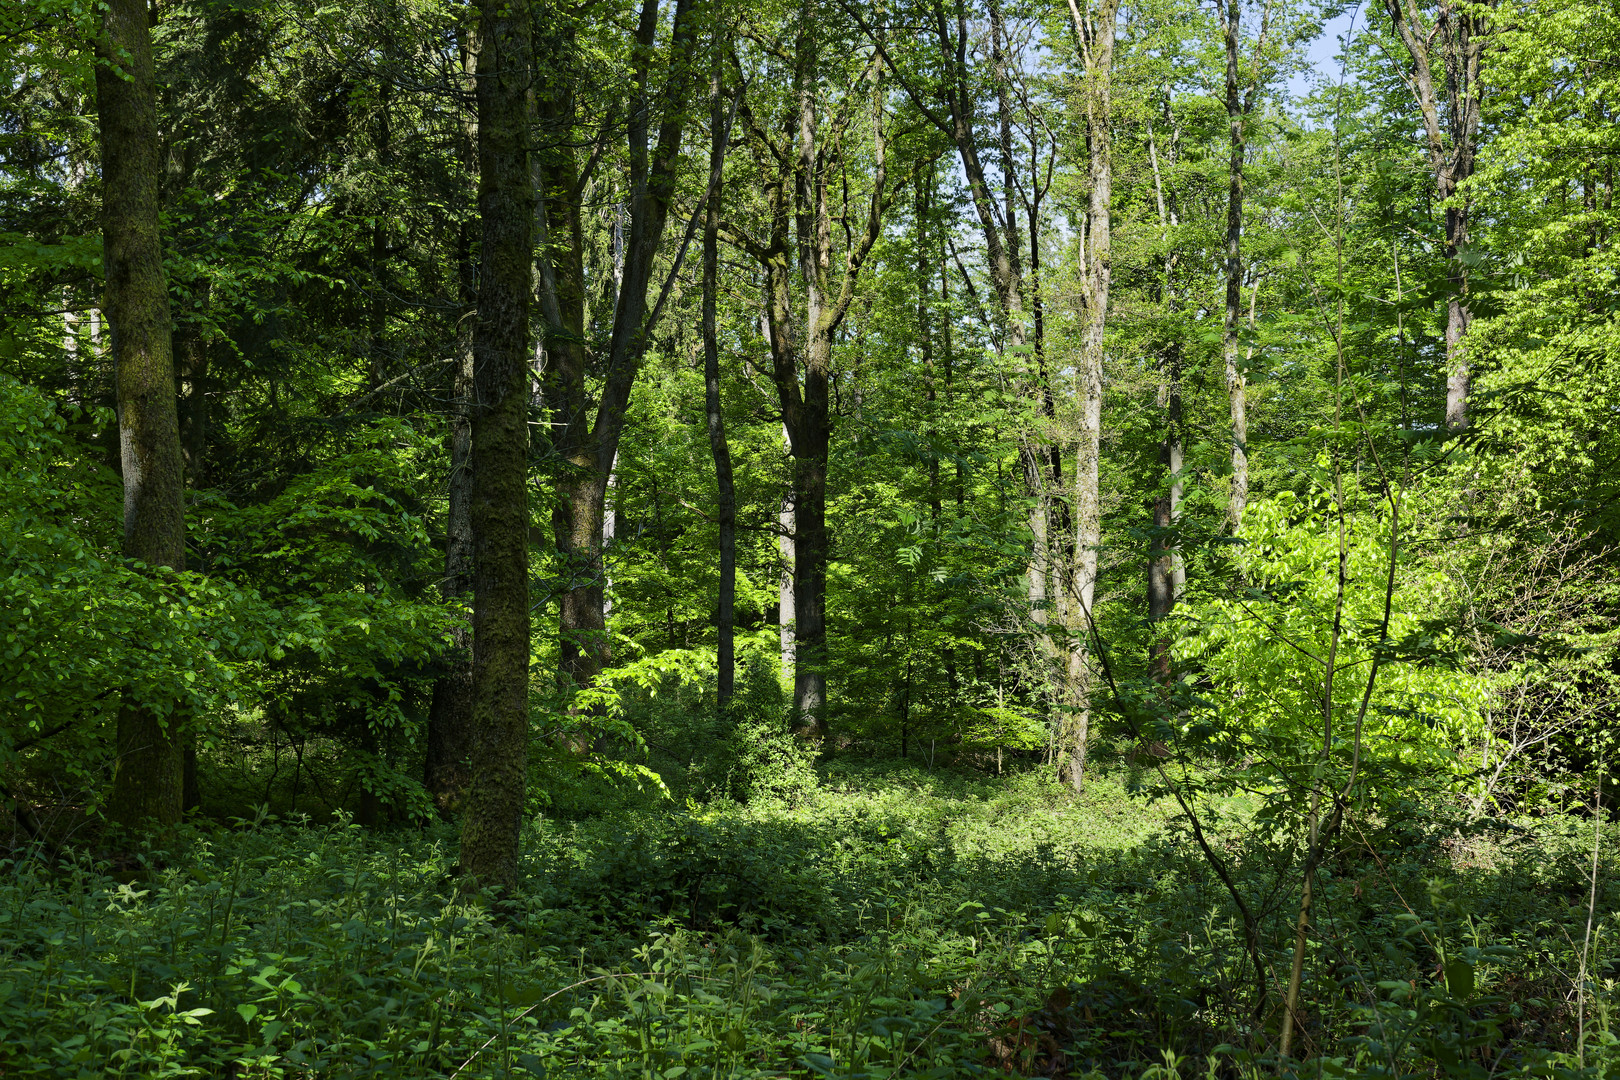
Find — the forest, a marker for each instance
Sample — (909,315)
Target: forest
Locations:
(809,538)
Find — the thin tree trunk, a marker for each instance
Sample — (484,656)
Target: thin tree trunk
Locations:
(725,488)
(491,822)
(1236,384)
(449,726)
(784,585)
(1094,35)
(1166,574)
(148,780)
(191,354)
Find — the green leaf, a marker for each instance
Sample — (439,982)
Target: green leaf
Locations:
(1460,978)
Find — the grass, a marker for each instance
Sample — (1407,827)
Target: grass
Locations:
(893,922)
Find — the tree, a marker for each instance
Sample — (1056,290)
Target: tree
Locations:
(725,484)
(1239,102)
(148,780)
(798,164)
(500,441)
(1450,111)
(587,445)
(1094,42)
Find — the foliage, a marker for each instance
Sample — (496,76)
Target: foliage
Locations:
(898,923)
(1266,651)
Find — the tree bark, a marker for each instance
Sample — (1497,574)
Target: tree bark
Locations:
(1460,32)
(499,514)
(148,779)
(784,585)
(1094,35)
(725,487)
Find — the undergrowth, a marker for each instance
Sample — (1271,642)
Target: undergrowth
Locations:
(893,922)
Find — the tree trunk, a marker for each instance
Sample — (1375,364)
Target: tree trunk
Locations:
(449,725)
(1236,384)
(784,585)
(1094,34)
(591,448)
(148,780)
(191,355)
(810,550)
(1166,573)
(1459,34)
(725,488)
(499,514)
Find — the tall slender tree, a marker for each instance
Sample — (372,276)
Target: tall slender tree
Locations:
(499,497)
(1456,37)
(148,780)
(587,440)
(1165,568)
(720,450)
(1240,101)
(1094,29)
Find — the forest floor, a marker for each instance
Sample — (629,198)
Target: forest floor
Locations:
(894,922)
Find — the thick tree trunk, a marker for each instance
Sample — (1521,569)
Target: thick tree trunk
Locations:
(1094,33)
(148,780)
(810,550)
(577,522)
(494,806)
(725,487)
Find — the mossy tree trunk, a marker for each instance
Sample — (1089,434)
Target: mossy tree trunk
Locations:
(1094,38)
(148,780)
(493,811)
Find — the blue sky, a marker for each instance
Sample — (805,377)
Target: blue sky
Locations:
(1325,48)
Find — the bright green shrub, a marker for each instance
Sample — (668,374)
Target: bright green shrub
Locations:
(1265,649)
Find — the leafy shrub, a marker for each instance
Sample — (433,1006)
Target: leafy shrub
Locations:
(895,923)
